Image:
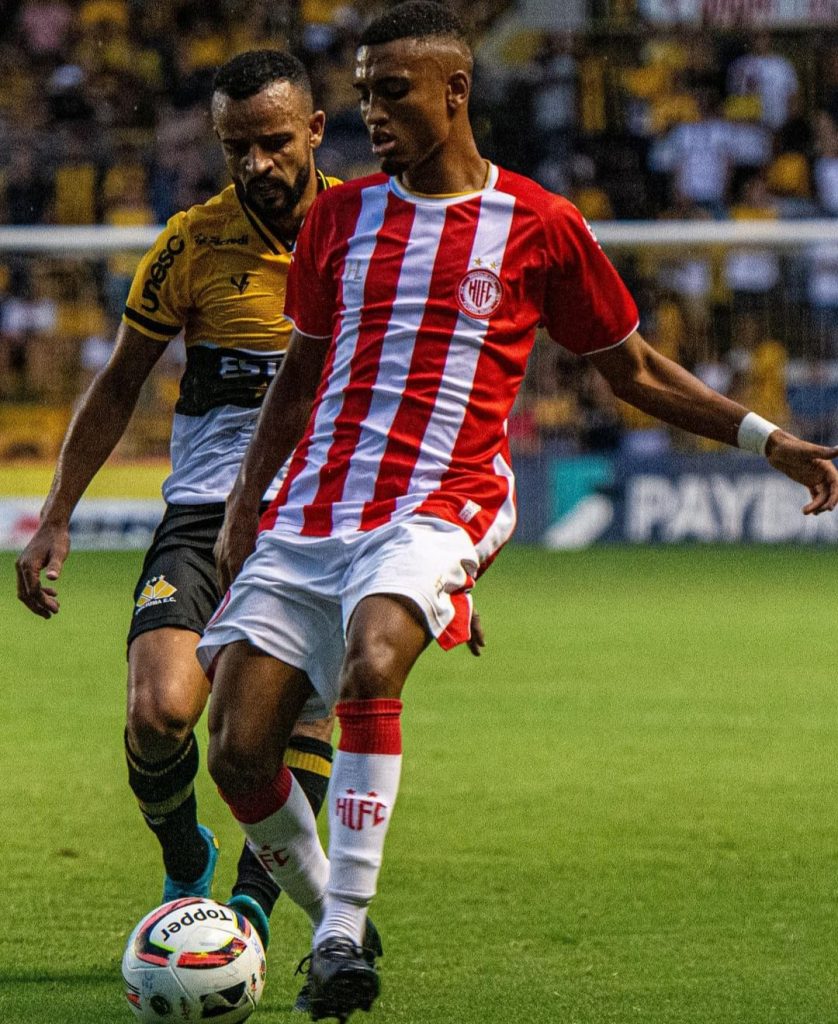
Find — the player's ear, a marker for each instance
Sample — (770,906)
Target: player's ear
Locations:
(457,90)
(316,127)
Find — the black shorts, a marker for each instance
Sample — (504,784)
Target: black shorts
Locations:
(178,586)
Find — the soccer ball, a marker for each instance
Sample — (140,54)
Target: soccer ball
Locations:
(193,960)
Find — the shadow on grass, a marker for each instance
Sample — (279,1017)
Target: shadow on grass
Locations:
(92,977)
(29,983)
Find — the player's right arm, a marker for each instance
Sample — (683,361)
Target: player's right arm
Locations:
(94,431)
(285,412)
(282,422)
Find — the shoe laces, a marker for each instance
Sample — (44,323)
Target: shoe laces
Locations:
(340,946)
(304,966)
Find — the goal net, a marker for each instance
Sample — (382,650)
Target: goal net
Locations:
(751,307)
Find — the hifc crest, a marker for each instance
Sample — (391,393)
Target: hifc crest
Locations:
(479,293)
(358,811)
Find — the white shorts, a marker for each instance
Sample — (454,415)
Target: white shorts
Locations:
(295,595)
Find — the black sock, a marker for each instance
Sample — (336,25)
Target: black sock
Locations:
(310,761)
(166,795)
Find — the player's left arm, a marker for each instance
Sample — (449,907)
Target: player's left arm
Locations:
(644,378)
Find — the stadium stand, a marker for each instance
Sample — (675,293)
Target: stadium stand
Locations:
(105,110)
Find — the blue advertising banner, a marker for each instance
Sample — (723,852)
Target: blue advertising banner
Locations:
(98,524)
(670,499)
(563,503)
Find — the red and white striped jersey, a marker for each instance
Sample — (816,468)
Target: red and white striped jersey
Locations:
(431,304)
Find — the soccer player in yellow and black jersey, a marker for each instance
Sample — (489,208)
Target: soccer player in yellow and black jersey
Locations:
(216,273)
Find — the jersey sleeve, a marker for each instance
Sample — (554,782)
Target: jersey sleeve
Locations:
(159,297)
(311,290)
(587,308)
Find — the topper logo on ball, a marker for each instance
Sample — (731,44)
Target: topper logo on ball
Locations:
(199,916)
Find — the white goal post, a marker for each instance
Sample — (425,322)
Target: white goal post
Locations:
(724,296)
(100,240)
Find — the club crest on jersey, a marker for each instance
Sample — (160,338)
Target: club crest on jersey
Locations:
(156,591)
(479,293)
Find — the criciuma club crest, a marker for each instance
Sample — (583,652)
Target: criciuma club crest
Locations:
(479,293)
(157,590)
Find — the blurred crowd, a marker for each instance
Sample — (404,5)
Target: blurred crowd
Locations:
(104,115)
(691,126)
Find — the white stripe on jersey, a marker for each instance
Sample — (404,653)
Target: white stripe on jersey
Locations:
(412,294)
(437,449)
(362,245)
(504,522)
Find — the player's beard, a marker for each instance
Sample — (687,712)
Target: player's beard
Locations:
(284,198)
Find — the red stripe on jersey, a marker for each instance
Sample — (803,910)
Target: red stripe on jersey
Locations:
(426,367)
(500,369)
(300,456)
(379,296)
(352,209)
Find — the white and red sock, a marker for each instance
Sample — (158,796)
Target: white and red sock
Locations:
(365,782)
(281,831)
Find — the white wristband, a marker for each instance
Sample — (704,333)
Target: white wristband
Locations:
(754,432)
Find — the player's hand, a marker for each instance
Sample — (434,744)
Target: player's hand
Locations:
(477,640)
(808,464)
(235,542)
(46,552)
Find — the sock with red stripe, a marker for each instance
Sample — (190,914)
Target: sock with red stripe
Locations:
(280,828)
(310,761)
(365,782)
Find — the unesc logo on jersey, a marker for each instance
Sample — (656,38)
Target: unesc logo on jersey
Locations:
(479,293)
(156,591)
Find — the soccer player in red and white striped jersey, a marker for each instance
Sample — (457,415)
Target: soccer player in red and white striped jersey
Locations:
(433,303)
(415,295)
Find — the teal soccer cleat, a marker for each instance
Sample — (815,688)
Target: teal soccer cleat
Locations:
(250,908)
(202,886)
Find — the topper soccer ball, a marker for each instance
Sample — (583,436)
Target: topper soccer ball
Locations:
(193,960)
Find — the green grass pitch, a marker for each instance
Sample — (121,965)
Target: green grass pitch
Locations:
(624,811)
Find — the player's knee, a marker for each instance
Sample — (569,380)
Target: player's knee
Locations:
(159,720)
(236,768)
(370,672)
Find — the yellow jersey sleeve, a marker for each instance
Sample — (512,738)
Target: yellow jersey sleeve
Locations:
(159,299)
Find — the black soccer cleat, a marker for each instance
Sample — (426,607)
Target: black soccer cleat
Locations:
(372,943)
(340,980)
(371,952)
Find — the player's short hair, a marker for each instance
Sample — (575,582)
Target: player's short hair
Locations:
(248,73)
(414,19)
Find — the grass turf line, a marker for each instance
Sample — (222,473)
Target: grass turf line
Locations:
(622,811)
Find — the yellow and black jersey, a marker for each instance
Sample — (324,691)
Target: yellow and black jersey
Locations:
(217,272)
